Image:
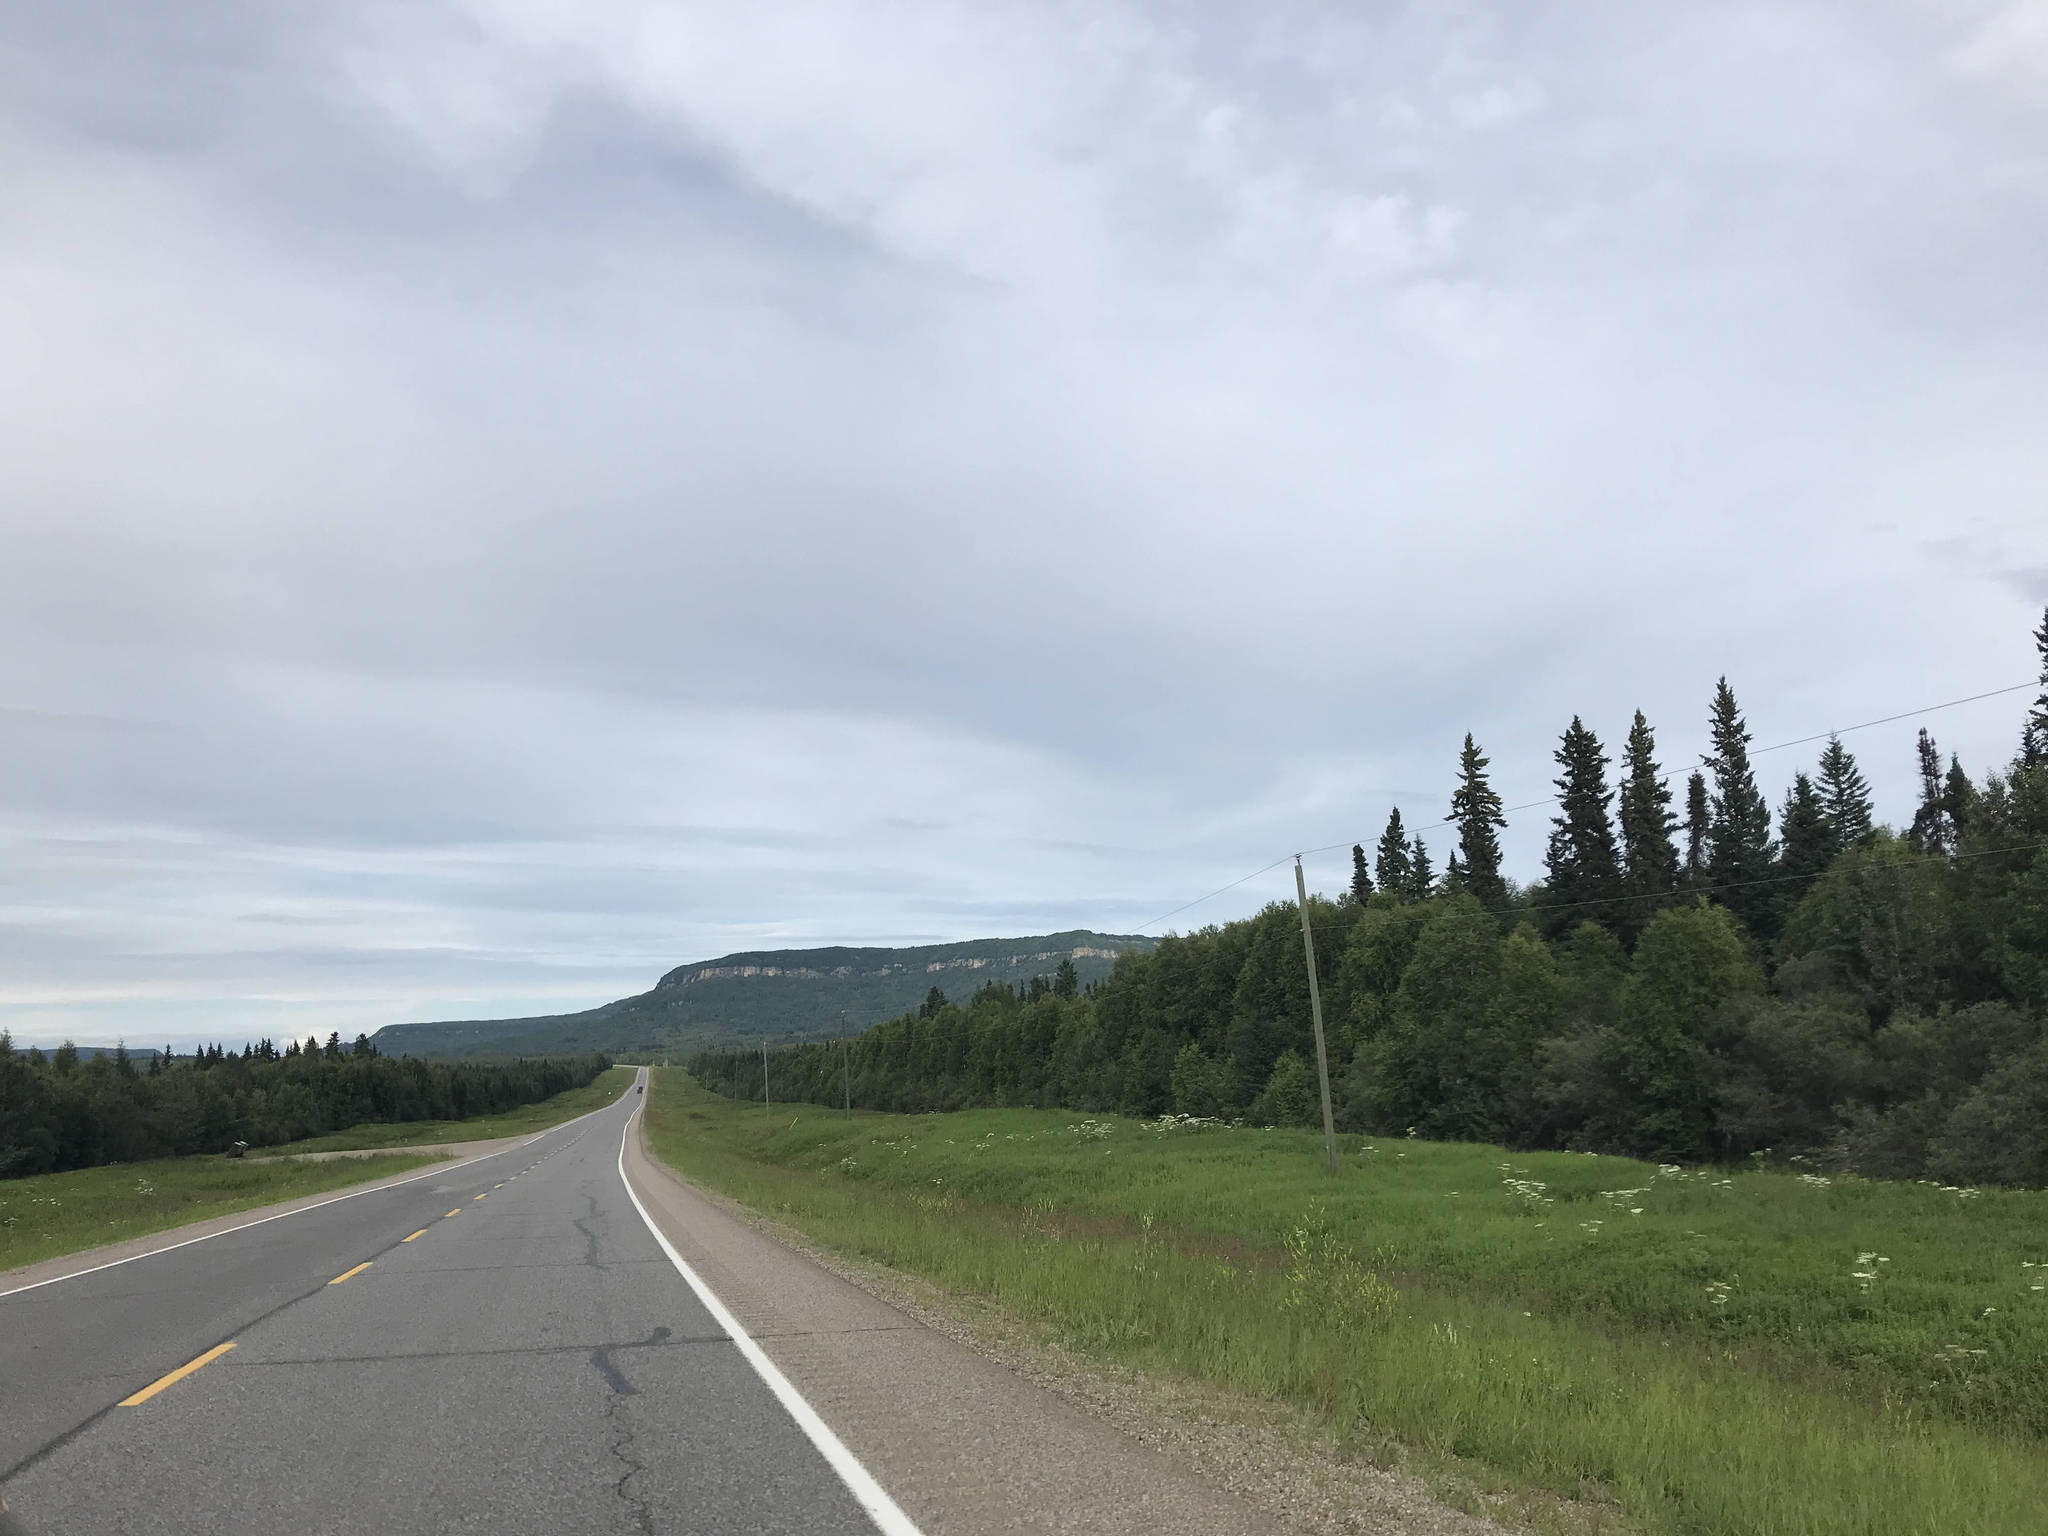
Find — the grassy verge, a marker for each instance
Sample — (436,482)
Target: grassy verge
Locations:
(58,1213)
(607,1086)
(1704,1353)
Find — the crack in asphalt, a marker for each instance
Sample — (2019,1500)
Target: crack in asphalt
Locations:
(624,1434)
(583,1225)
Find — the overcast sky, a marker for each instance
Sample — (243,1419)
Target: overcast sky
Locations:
(501,498)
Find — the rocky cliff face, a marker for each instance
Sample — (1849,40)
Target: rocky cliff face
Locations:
(784,994)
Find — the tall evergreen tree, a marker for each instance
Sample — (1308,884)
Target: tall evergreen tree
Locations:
(1649,859)
(1361,877)
(2034,734)
(1930,832)
(1958,800)
(1844,798)
(1803,851)
(1421,872)
(1477,811)
(1698,825)
(1391,862)
(1583,865)
(1739,849)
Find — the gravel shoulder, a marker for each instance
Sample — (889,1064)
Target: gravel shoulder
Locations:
(975,1426)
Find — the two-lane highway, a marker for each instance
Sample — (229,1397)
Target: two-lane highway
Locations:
(504,1346)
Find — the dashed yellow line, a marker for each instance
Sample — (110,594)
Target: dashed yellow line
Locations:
(178,1375)
(421,1233)
(456,1212)
(351,1274)
(486,1192)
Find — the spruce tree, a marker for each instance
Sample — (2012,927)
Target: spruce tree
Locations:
(2034,734)
(1477,811)
(1697,829)
(1739,849)
(1649,859)
(1583,866)
(1930,832)
(1421,873)
(1844,798)
(1803,841)
(1361,877)
(1958,800)
(1391,862)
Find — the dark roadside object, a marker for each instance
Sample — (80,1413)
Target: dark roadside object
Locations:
(235,1149)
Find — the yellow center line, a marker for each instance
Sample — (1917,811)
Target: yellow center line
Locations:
(421,1233)
(486,1192)
(351,1273)
(179,1374)
(456,1212)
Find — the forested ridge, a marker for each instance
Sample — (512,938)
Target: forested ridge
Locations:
(1705,981)
(59,1111)
(783,994)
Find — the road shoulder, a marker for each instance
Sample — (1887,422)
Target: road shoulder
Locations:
(969,1436)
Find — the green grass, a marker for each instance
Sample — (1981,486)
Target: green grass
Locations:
(58,1213)
(1564,1338)
(597,1093)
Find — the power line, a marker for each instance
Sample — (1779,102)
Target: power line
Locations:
(1530,805)
(1176,912)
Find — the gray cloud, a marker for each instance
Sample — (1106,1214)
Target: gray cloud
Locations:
(575,488)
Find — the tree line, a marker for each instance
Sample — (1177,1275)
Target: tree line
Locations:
(65,1110)
(1708,985)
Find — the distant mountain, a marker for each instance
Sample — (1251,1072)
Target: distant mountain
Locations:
(776,994)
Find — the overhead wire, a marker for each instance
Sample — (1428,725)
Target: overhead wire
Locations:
(1530,805)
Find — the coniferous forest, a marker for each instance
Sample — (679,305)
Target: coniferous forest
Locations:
(1696,976)
(62,1111)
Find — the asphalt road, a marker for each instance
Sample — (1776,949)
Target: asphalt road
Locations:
(505,1347)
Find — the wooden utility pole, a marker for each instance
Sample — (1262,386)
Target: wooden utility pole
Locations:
(1315,1008)
(766,1107)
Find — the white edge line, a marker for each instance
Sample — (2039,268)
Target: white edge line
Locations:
(883,1510)
(371,1189)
